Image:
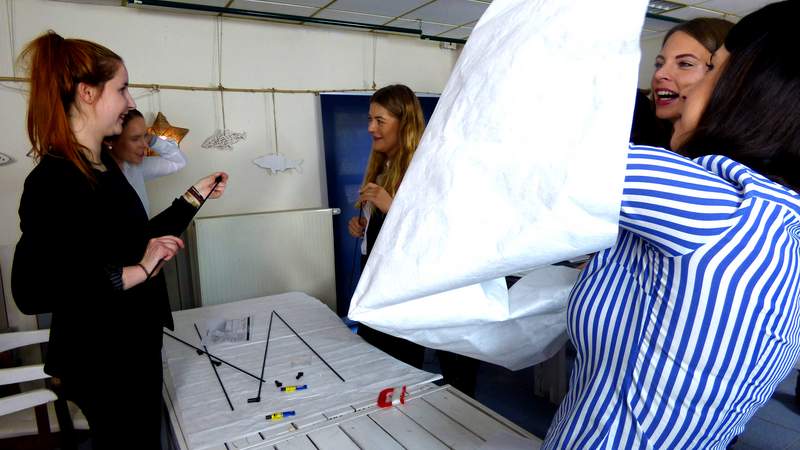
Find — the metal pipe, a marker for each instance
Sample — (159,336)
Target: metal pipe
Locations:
(443,39)
(290,18)
(664,18)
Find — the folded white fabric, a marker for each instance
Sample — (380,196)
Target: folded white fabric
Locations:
(521,166)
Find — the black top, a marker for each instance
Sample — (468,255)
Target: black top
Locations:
(75,237)
(376,219)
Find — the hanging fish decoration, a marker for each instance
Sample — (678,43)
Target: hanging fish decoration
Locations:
(5,159)
(275,162)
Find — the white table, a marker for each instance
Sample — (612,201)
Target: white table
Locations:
(331,413)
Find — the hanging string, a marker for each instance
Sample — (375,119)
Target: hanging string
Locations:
(219,50)
(219,71)
(15,89)
(275,122)
(148,93)
(374,56)
(10,18)
(222,103)
(152,101)
(222,139)
(266,118)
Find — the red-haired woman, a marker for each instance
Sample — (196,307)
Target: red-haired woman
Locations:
(88,253)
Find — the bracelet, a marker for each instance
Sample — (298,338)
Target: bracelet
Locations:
(145,270)
(190,199)
(196,194)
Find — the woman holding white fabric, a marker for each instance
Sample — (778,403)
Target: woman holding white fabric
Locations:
(687,324)
(129,150)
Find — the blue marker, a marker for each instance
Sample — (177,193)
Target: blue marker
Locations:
(280,415)
(294,388)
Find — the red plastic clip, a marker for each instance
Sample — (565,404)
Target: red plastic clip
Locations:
(387,397)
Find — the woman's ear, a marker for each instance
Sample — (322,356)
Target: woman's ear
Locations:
(87,93)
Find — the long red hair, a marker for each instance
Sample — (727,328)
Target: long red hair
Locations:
(56,66)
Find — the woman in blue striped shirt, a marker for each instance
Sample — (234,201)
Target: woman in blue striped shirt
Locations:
(685,326)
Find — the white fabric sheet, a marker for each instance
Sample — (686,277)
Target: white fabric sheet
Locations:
(521,166)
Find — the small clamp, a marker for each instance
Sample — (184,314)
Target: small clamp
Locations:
(392,396)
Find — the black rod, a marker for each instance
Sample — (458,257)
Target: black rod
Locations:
(214,367)
(217,180)
(257,398)
(162,260)
(201,351)
(309,347)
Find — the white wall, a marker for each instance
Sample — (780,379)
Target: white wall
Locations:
(650,48)
(169,48)
(166,48)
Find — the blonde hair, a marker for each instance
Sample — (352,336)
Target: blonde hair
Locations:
(402,103)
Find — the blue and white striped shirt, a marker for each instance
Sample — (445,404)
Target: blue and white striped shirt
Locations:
(685,326)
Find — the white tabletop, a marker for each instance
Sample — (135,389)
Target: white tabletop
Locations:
(330,413)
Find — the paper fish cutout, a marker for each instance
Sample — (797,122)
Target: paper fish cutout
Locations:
(5,159)
(275,162)
(223,139)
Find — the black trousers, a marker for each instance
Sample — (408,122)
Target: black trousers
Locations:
(459,371)
(123,409)
(406,351)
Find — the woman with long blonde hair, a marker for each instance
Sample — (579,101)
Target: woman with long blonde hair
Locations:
(396,123)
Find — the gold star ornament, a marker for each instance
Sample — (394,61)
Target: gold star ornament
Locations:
(163,129)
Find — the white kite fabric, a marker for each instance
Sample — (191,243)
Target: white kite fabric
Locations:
(521,166)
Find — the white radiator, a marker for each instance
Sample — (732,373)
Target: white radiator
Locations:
(252,255)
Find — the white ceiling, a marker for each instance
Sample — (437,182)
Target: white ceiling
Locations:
(455,18)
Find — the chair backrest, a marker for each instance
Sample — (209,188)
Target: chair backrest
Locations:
(26,373)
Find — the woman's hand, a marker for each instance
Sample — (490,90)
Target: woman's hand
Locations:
(204,185)
(158,250)
(377,195)
(356,226)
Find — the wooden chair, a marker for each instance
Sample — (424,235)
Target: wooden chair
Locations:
(24,419)
(31,412)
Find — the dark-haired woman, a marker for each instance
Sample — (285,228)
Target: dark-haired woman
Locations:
(88,252)
(684,327)
(129,150)
(683,61)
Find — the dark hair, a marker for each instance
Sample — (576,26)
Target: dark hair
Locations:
(709,32)
(647,128)
(753,115)
(131,115)
(57,66)
(109,140)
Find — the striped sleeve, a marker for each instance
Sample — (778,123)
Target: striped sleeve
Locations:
(674,203)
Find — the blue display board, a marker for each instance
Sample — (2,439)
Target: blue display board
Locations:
(347,147)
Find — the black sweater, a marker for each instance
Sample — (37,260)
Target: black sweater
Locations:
(75,236)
